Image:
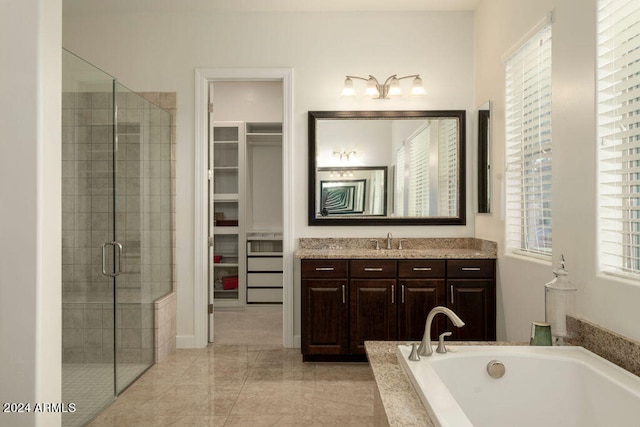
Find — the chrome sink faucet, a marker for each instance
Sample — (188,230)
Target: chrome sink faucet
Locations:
(425,346)
(388,240)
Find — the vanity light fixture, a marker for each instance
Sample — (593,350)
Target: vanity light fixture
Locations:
(344,154)
(390,87)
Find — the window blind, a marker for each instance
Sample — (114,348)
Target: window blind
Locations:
(419,148)
(448,168)
(400,182)
(619,136)
(528,147)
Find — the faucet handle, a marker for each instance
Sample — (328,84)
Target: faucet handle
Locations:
(377,243)
(414,357)
(441,347)
(400,243)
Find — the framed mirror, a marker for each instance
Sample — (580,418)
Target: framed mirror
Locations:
(484,158)
(387,167)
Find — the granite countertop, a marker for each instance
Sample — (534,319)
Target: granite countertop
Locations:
(399,399)
(413,248)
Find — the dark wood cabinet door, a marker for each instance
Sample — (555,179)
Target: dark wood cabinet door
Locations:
(325,314)
(372,312)
(474,301)
(415,299)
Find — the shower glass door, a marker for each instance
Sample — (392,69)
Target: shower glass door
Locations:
(143,227)
(88,309)
(117,235)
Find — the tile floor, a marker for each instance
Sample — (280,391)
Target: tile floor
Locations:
(90,386)
(248,327)
(244,385)
(245,379)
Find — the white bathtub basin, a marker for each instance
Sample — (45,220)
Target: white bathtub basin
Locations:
(542,386)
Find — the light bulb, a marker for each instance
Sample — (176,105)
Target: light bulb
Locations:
(394,87)
(348,89)
(416,88)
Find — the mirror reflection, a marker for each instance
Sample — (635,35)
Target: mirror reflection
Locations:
(391,167)
(356,191)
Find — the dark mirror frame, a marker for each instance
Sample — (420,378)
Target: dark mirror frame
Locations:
(460,115)
(484,171)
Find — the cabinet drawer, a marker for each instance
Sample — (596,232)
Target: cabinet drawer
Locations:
(329,268)
(264,264)
(420,268)
(264,295)
(471,268)
(374,268)
(264,280)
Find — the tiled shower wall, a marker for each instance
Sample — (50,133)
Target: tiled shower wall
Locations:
(166,307)
(144,218)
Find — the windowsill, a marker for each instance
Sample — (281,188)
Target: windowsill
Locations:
(538,259)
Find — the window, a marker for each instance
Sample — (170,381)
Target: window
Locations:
(448,168)
(419,151)
(619,136)
(528,146)
(400,178)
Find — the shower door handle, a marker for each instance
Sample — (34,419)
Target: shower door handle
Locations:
(104,258)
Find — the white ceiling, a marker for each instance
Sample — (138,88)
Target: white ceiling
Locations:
(80,6)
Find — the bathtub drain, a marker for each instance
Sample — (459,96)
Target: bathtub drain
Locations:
(496,369)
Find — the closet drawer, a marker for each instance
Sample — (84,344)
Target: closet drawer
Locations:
(421,268)
(329,268)
(264,295)
(373,268)
(264,264)
(264,280)
(471,268)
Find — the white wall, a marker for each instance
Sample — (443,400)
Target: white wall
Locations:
(248,101)
(159,48)
(371,141)
(613,303)
(30,208)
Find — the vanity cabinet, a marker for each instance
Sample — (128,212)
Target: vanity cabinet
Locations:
(472,295)
(372,297)
(421,287)
(348,302)
(325,326)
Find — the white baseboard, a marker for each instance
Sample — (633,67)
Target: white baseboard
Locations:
(297,341)
(185,341)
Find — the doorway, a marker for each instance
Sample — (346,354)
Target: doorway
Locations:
(244,245)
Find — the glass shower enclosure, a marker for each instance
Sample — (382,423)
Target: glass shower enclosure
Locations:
(117,233)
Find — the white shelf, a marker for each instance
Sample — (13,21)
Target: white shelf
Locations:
(225,264)
(225,197)
(261,235)
(225,230)
(264,138)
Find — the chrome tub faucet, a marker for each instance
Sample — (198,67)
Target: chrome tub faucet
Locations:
(425,346)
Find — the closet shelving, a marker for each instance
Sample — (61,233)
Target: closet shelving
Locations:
(264,213)
(226,207)
(246,213)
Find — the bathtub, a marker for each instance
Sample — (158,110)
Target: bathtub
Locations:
(541,386)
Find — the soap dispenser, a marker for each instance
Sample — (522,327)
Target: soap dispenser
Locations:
(560,297)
